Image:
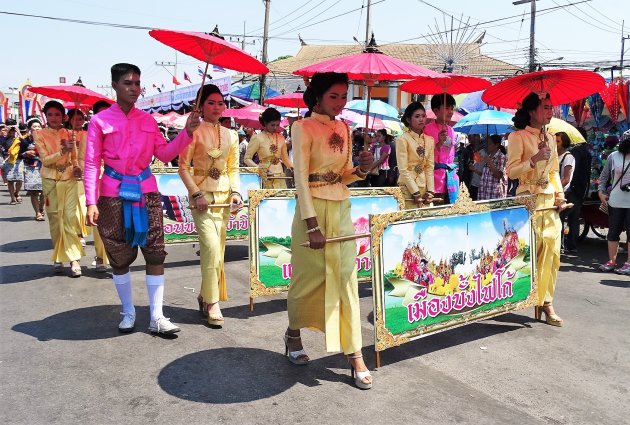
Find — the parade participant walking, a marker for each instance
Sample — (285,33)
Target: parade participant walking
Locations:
(215,180)
(125,203)
(324,292)
(414,154)
(445,178)
(59,184)
(617,169)
(533,160)
(32,166)
(75,122)
(13,167)
(271,149)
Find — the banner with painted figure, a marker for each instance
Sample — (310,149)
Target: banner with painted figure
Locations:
(179,226)
(439,268)
(271,216)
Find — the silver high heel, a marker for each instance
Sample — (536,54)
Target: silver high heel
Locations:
(296,357)
(360,376)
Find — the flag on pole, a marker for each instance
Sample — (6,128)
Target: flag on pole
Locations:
(200,71)
(4,107)
(157,88)
(27,101)
(176,81)
(217,68)
(187,77)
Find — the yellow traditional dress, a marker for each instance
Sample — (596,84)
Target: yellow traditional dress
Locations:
(214,153)
(99,248)
(272,153)
(543,181)
(324,292)
(414,154)
(60,189)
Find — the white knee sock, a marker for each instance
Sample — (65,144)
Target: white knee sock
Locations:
(155,288)
(123,287)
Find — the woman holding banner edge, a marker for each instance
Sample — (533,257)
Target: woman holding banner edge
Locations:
(533,160)
(324,289)
(215,180)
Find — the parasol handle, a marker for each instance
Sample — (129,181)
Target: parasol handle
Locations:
(566,206)
(341,238)
(366,145)
(198,107)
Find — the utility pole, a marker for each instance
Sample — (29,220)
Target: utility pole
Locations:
(169,64)
(368,23)
(532,31)
(264,49)
(623,40)
(108,88)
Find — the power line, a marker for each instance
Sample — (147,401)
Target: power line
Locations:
(585,21)
(299,26)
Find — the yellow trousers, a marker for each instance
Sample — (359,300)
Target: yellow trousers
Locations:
(82,210)
(548,230)
(99,248)
(275,183)
(324,292)
(211,227)
(61,208)
(410,205)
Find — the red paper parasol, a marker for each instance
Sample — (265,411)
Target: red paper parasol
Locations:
(370,66)
(78,95)
(210,48)
(291,100)
(562,85)
(446,83)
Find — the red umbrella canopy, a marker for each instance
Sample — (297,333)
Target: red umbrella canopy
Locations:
(370,65)
(250,112)
(210,49)
(446,83)
(562,85)
(78,95)
(291,100)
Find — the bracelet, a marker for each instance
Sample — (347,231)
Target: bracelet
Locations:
(416,193)
(314,229)
(197,195)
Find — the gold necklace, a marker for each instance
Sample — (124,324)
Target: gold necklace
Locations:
(335,141)
(420,150)
(330,175)
(214,154)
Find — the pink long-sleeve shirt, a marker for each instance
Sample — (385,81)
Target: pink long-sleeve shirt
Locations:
(444,154)
(127,143)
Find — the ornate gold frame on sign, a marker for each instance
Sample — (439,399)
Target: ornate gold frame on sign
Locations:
(257,288)
(384,339)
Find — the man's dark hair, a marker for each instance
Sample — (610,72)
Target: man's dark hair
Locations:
(120,69)
(441,99)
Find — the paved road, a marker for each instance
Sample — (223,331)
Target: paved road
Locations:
(62,360)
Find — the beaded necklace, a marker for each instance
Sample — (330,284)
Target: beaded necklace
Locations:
(214,154)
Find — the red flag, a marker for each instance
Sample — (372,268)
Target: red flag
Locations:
(623,97)
(610,95)
(177,83)
(187,77)
(577,108)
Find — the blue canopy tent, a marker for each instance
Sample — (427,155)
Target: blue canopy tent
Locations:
(252,92)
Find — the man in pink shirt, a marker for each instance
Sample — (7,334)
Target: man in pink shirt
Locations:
(125,203)
(445,178)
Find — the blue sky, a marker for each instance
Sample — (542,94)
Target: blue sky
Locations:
(45,50)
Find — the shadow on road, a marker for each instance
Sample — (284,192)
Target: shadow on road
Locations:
(17,273)
(476,331)
(241,375)
(620,282)
(16,219)
(31,245)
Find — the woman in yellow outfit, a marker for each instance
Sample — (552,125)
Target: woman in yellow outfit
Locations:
(59,183)
(76,120)
(271,149)
(215,180)
(414,154)
(533,160)
(324,292)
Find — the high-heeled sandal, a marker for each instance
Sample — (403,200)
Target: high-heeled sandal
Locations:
(214,319)
(75,269)
(299,357)
(203,307)
(551,319)
(360,376)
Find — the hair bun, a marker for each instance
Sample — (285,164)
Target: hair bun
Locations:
(309,97)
